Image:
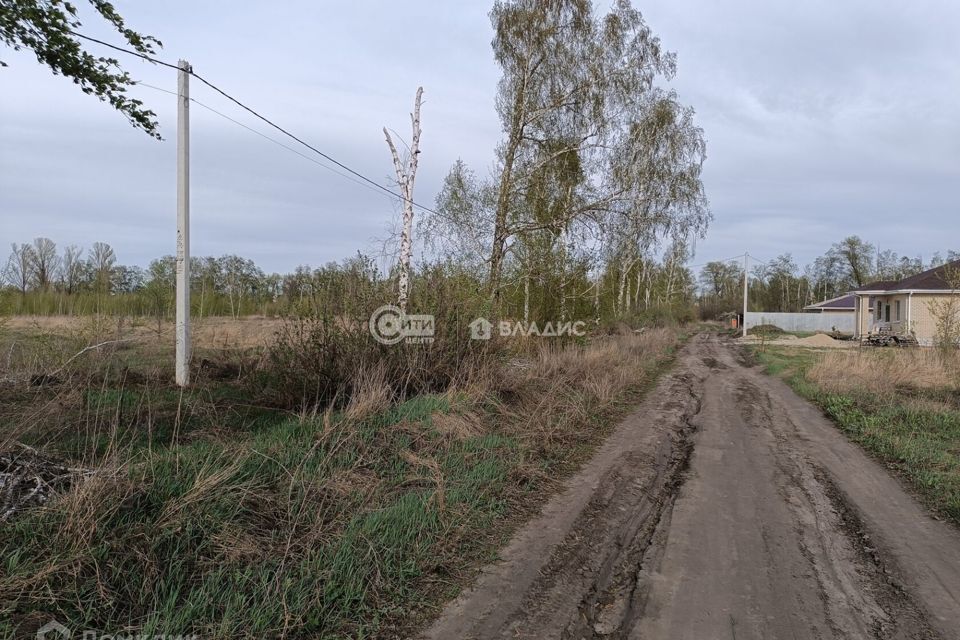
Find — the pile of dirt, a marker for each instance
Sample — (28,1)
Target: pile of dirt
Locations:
(769,330)
(817,340)
(28,479)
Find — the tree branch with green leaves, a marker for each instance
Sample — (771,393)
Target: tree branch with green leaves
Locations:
(49,29)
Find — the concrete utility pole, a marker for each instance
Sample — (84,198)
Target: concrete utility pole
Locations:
(183,225)
(745,254)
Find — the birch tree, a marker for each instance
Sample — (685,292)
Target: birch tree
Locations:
(406,175)
(575,93)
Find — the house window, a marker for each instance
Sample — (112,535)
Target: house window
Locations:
(897,303)
(886,316)
(879,310)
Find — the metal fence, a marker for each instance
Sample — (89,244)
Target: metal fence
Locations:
(843,322)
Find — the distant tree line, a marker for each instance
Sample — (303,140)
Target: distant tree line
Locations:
(781,285)
(39,278)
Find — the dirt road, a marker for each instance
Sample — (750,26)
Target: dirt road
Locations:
(724,507)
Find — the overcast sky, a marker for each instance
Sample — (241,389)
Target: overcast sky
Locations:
(823,119)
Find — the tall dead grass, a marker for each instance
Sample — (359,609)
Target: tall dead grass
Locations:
(314,520)
(554,396)
(884,370)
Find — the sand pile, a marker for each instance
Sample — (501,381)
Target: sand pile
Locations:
(817,340)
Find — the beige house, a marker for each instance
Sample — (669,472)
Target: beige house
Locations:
(903,306)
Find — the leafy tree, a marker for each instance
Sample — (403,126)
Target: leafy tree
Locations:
(720,288)
(857,257)
(128,279)
(241,279)
(595,157)
(48,28)
(159,287)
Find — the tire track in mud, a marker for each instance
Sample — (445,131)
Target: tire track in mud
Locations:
(592,576)
(589,578)
(859,591)
(613,601)
(704,516)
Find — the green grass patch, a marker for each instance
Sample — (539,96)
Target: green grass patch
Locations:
(316,531)
(921,440)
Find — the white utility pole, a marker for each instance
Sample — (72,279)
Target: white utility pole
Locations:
(745,254)
(183,225)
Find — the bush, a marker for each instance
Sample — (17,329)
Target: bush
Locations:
(320,361)
(767,330)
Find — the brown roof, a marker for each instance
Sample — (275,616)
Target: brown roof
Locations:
(929,280)
(879,285)
(932,279)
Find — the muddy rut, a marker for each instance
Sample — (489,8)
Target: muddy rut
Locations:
(723,507)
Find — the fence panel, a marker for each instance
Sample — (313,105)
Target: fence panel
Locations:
(843,322)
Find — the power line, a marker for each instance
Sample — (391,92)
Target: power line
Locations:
(309,146)
(121,49)
(250,110)
(761,262)
(694,266)
(264,136)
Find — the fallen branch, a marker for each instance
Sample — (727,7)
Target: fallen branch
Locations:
(90,348)
(28,479)
(52,374)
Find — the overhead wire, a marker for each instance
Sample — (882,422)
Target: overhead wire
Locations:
(265,136)
(124,50)
(260,116)
(703,264)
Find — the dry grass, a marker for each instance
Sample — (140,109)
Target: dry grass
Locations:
(903,405)
(332,522)
(208,333)
(884,370)
(371,394)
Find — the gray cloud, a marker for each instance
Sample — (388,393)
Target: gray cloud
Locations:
(823,119)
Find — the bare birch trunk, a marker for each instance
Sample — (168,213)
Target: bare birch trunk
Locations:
(498,248)
(670,282)
(405,179)
(563,276)
(596,300)
(621,288)
(636,287)
(526,297)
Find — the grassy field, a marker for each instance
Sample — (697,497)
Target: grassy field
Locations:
(212,512)
(902,405)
